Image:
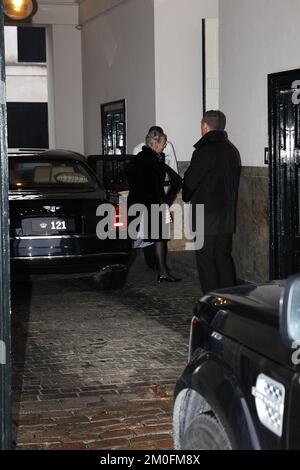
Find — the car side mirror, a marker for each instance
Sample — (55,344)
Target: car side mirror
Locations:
(289,311)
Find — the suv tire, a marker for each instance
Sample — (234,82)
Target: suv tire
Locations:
(205,433)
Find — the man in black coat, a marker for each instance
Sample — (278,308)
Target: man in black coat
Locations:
(212,179)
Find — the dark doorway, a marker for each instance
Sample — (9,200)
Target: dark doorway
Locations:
(284,165)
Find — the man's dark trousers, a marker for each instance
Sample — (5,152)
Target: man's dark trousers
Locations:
(215,264)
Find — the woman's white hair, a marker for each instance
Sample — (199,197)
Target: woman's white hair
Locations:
(154,136)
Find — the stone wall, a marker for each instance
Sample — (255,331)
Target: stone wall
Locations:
(251,241)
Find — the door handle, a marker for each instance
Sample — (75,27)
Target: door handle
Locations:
(266,159)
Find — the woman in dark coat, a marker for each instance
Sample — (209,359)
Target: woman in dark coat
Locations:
(146,176)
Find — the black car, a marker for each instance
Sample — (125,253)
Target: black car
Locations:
(53,199)
(241,387)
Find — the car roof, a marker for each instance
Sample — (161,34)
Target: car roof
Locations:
(53,154)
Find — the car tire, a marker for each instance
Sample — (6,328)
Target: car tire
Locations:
(205,432)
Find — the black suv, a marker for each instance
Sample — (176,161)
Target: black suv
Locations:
(241,387)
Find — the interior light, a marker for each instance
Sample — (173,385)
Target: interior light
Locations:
(18,9)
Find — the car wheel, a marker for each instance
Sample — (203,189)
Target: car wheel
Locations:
(111,277)
(205,433)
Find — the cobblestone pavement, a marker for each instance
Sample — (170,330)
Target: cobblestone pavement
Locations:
(96,370)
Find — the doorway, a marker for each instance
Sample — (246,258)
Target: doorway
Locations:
(284,176)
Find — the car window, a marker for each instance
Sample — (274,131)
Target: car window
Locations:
(33,174)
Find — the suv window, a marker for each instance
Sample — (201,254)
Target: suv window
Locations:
(34,174)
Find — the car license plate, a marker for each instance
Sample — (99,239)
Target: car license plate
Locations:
(47,226)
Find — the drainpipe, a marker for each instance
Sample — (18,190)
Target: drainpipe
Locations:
(5,332)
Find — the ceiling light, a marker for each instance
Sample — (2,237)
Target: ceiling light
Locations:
(18,9)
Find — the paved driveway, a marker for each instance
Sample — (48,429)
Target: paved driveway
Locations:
(96,370)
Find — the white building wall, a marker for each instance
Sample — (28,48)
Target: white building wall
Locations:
(118,62)
(64,73)
(11,44)
(212,63)
(25,82)
(65,87)
(56,12)
(178,65)
(257,37)
(91,8)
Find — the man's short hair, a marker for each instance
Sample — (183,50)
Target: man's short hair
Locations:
(156,128)
(216,120)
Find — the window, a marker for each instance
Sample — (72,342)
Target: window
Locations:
(31,45)
(27,125)
(42,172)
